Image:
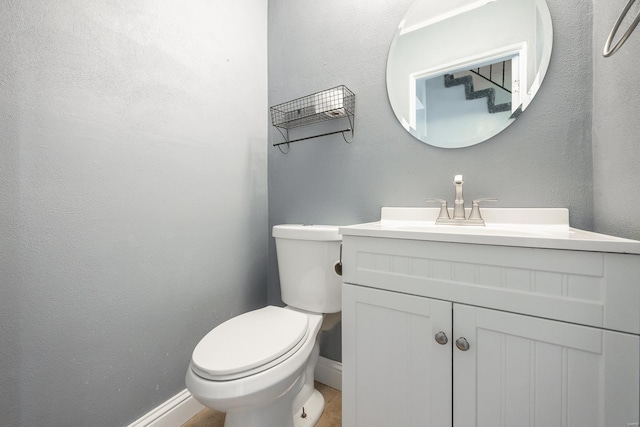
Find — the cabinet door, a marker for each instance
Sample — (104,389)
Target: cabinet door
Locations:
(527,371)
(394,373)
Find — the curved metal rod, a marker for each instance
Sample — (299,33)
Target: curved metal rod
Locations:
(608,51)
(282,151)
(351,122)
(286,138)
(345,138)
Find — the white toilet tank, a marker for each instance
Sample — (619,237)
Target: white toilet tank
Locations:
(307,255)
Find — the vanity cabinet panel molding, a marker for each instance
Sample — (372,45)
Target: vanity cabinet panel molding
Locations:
(597,289)
(553,334)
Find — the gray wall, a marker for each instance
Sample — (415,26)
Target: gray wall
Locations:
(133,198)
(543,160)
(616,126)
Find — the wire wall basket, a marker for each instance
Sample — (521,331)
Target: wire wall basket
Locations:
(334,103)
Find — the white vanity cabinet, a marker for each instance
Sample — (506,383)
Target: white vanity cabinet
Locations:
(553,333)
(393,371)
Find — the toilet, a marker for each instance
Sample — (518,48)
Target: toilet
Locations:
(258,367)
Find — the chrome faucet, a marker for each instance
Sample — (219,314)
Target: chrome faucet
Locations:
(459,214)
(458,204)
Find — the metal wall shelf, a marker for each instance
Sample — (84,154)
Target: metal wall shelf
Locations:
(335,103)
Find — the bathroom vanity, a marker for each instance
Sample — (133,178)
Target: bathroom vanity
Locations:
(523,322)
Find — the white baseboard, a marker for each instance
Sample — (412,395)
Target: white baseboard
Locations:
(182,407)
(329,372)
(172,413)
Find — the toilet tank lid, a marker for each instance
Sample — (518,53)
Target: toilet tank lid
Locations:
(307,232)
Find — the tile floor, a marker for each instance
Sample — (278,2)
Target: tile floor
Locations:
(332,416)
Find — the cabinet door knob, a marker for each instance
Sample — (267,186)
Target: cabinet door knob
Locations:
(462,344)
(441,338)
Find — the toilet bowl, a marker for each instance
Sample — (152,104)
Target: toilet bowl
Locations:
(258,367)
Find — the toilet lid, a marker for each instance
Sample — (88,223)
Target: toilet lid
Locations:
(249,343)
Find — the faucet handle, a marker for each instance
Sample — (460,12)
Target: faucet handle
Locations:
(444,211)
(475,208)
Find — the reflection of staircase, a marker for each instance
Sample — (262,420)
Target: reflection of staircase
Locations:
(490,93)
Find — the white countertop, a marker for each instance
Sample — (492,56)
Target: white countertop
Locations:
(525,227)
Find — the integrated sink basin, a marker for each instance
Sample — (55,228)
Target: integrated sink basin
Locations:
(498,222)
(525,227)
(488,230)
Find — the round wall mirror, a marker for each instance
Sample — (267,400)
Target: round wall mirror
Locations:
(461,71)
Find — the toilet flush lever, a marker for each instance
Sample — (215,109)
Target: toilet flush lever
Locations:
(338,265)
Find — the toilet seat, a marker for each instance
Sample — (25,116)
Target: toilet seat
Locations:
(250,343)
